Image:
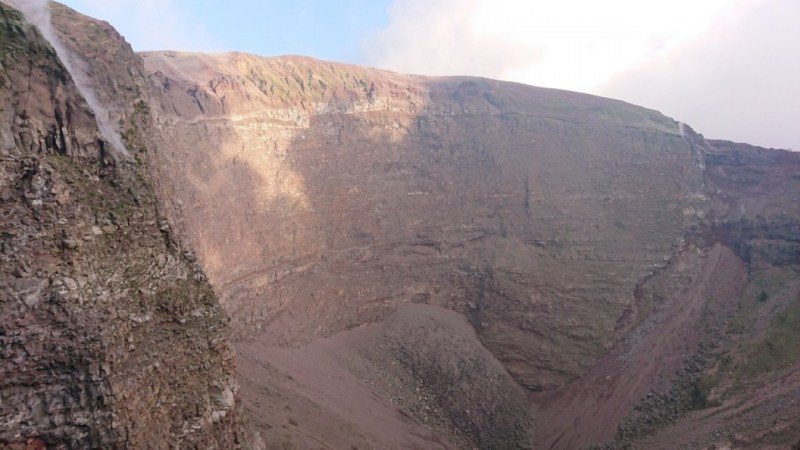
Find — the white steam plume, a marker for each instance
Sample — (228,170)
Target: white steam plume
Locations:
(37,12)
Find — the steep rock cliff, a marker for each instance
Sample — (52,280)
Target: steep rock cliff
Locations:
(111,336)
(600,250)
(707,360)
(347,192)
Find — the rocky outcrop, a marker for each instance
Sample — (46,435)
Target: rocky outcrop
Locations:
(111,336)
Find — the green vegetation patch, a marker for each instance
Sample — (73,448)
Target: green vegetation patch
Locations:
(764,285)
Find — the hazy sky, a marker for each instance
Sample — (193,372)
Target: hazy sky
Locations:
(728,68)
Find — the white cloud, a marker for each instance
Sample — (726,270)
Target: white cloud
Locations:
(679,57)
(740,81)
(438,38)
(571,44)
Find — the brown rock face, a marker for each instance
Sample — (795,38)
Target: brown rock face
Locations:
(109,336)
(322,196)
(599,250)
(707,360)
